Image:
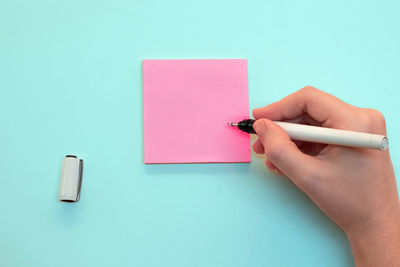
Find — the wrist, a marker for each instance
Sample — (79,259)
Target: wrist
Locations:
(378,244)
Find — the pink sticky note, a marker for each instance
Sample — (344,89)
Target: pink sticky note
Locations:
(187,105)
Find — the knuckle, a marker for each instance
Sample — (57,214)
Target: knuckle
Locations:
(311,95)
(378,116)
(309,89)
(372,120)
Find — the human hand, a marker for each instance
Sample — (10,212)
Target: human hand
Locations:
(355,187)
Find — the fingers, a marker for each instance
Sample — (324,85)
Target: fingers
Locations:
(311,149)
(258,147)
(272,167)
(282,153)
(320,106)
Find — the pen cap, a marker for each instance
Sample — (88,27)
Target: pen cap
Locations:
(71,179)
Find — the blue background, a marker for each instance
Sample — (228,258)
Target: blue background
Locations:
(71,83)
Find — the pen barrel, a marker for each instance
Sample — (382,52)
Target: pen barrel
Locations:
(334,136)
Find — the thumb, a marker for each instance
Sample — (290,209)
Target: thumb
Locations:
(283,153)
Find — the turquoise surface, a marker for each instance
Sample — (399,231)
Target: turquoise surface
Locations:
(71,83)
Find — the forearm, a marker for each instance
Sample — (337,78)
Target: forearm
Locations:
(379,246)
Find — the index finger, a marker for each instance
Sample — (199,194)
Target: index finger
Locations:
(321,106)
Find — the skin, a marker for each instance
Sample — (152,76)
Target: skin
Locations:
(355,187)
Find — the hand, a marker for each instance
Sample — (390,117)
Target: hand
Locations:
(355,187)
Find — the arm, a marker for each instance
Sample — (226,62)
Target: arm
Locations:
(355,187)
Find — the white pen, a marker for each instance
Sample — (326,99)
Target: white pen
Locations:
(323,135)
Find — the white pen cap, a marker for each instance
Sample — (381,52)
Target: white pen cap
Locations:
(71,179)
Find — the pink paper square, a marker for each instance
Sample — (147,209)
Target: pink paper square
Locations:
(187,105)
